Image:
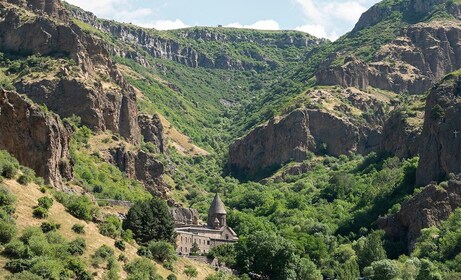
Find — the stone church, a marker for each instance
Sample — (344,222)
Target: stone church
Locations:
(190,231)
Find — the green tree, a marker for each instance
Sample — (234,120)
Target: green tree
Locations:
(385,269)
(305,269)
(149,221)
(266,254)
(370,249)
(162,251)
(225,253)
(428,271)
(195,250)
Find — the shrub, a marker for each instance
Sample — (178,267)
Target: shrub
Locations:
(78,228)
(127,235)
(102,254)
(15,249)
(7,232)
(162,251)
(19,265)
(40,213)
(77,247)
(9,171)
(122,258)
(112,227)
(141,268)
(48,226)
(78,267)
(45,202)
(171,277)
(81,207)
(24,180)
(48,269)
(144,252)
(191,271)
(169,266)
(6,198)
(119,244)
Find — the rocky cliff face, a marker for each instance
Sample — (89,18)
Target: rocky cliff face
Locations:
(400,137)
(428,208)
(152,131)
(413,10)
(333,121)
(420,56)
(176,45)
(440,149)
(140,166)
(37,139)
(94,90)
(291,137)
(52,8)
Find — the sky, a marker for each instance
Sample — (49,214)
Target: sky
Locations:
(322,18)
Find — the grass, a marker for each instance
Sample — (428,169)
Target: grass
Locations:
(29,195)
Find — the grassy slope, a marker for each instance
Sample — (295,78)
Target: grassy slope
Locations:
(28,196)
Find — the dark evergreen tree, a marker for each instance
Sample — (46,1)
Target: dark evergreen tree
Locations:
(150,221)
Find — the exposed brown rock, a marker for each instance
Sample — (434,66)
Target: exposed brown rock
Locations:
(440,149)
(333,121)
(140,166)
(108,105)
(400,138)
(291,137)
(184,216)
(417,59)
(37,139)
(428,208)
(52,8)
(152,131)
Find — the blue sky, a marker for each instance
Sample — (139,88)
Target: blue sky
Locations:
(322,18)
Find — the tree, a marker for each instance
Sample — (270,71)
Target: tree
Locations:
(266,254)
(428,271)
(150,220)
(385,269)
(191,272)
(306,270)
(225,253)
(195,250)
(162,251)
(370,249)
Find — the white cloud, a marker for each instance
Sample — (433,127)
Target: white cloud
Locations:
(261,25)
(349,11)
(165,24)
(328,18)
(318,31)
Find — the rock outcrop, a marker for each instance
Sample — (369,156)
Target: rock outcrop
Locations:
(94,90)
(291,137)
(414,10)
(399,137)
(51,8)
(152,131)
(184,216)
(333,121)
(428,208)
(140,166)
(418,58)
(36,138)
(174,46)
(440,149)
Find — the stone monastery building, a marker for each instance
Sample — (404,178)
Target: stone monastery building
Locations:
(214,233)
